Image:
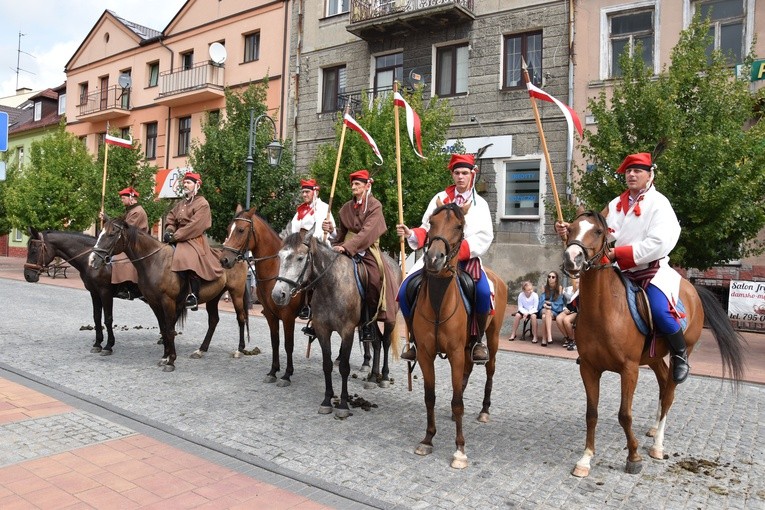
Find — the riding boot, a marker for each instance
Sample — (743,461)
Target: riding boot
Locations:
(479,352)
(192,300)
(365,331)
(121,292)
(680,367)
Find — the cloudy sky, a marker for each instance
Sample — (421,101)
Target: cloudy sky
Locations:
(54,29)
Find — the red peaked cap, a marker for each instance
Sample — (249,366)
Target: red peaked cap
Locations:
(308,184)
(127,192)
(360,175)
(641,160)
(461,161)
(192,176)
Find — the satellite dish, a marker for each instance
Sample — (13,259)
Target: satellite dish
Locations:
(125,81)
(217,53)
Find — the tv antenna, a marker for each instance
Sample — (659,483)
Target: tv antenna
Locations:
(18,61)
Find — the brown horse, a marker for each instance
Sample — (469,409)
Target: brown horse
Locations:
(440,325)
(164,289)
(608,339)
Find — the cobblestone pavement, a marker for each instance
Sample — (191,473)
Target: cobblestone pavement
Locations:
(521,459)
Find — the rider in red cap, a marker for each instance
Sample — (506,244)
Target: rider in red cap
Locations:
(185,227)
(478,235)
(124,274)
(645,229)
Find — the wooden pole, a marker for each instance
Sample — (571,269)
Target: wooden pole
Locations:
(337,169)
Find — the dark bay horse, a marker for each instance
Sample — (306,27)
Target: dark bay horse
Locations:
(608,339)
(308,264)
(74,248)
(164,290)
(440,325)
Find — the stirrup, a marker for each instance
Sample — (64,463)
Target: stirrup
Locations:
(304,313)
(309,332)
(191,303)
(684,367)
(410,354)
(365,334)
(473,353)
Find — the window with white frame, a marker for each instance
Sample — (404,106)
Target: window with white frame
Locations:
(522,189)
(626,31)
(452,70)
(20,157)
(184,135)
(337,7)
(18,235)
(252,47)
(62,103)
(83,93)
(38,110)
(333,86)
(153,74)
(727,27)
(187,60)
(388,68)
(125,92)
(526,47)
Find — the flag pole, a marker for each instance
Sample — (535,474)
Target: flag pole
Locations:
(337,168)
(544,143)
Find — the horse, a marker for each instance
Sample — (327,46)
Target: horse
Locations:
(608,339)
(164,289)
(74,248)
(440,324)
(305,263)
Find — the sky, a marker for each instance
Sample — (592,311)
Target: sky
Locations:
(54,29)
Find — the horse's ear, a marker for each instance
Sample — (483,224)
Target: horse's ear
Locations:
(439,203)
(580,210)
(466,207)
(311,230)
(32,232)
(239,209)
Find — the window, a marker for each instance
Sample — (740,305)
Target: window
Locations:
(125,133)
(20,157)
(38,110)
(452,70)
(626,30)
(151,140)
(187,60)
(337,7)
(522,185)
(83,93)
(62,103)
(252,47)
(124,93)
(18,235)
(153,74)
(727,22)
(184,135)
(333,85)
(104,92)
(528,46)
(387,69)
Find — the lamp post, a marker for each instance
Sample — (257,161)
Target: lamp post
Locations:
(273,149)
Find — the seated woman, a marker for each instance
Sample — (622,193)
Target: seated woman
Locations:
(550,306)
(565,319)
(528,303)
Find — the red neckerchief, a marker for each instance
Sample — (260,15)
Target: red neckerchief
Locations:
(304,210)
(624,203)
(451,194)
(358,203)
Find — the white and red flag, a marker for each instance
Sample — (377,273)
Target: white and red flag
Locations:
(571,117)
(119,142)
(412,124)
(351,123)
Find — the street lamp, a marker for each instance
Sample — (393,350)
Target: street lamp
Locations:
(273,150)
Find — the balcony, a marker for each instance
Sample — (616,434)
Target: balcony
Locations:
(353,99)
(106,104)
(186,86)
(375,19)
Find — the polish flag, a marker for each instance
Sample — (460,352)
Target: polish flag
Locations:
(571,117)
(119,142)
(351,123)
(412,124)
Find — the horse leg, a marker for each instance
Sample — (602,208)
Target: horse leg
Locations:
(243,320)
(629,378)
(591,380)
(365,366)
(289,347)
(97,307)
(374,377)
(170,318)
(491,366)
(342,410)
(108,306)
(213,317)
(326,365)
(388,330)
(429,386)
(273,328)
(666,397)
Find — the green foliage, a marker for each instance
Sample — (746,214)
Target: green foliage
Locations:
(421,178)
(221,163)
(711,170)
(60,188)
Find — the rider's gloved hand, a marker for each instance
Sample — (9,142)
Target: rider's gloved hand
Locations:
(169,237)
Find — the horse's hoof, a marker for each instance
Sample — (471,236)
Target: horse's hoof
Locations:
(168,368)
(106,352)
(424,449)
(237,354)
(483,417)
(581,471)
(341,414)
(325,409)
(656,453)
(269,379)
(159,342)
(162,362)
(651,432)
(364,369)
(196,354)
(95,350)
(370,385)
(385,383)
(459,460)
(283,383)
(633,467)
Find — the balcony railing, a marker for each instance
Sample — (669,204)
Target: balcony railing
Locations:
(353,99)
(104,104)
(199,81)
(363,10)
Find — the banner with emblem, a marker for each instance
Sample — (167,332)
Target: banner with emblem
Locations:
(168,182)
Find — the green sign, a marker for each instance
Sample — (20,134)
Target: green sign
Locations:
(758,70)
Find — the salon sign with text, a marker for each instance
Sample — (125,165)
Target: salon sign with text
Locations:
(746,301)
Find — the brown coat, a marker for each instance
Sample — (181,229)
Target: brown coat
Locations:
(122,269)
(189,220)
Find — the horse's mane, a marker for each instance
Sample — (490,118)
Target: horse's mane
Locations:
(453,207)
(256,214)
(80,235)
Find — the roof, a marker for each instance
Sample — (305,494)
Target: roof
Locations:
(15,114)
(145,33)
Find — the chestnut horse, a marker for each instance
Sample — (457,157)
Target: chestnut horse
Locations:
(74,248)
(164,289)
(440,325)
(608,339)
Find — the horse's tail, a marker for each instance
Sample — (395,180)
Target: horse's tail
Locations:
(729,341)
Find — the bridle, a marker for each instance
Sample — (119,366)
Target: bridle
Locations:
(107,254)
(40,265)
(598,254)
(451,250)
(300,285)
(242,252)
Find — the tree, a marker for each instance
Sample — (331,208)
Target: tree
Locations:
(60,189)
(421,178)
(711,171)
(221,163)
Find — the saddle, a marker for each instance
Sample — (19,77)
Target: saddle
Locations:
(466,286)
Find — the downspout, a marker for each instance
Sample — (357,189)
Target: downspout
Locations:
(169,110)
(296,84)
(571,63)
(285,57)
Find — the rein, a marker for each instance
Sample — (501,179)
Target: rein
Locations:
(40,266)
(594,261)
(107,254)
(252,262)
(298,285)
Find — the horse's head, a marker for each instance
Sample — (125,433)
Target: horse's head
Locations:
(39,255)
(239,239)
(587,242)
(111,240)
(447,226)
(295,267)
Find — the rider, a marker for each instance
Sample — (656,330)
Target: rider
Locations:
(645,229)
(124,275)
(358,235)
(478,235)
(185,227)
